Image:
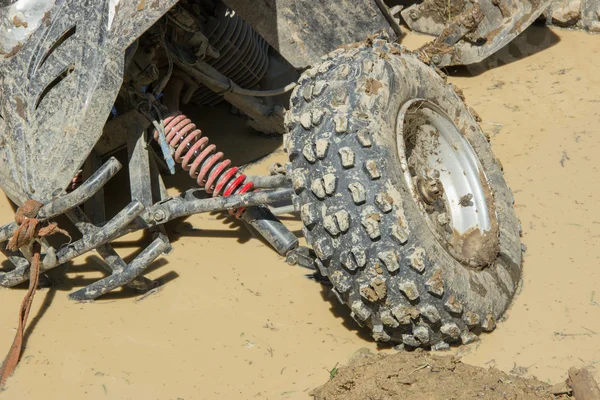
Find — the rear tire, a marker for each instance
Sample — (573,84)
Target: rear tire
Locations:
(359,212)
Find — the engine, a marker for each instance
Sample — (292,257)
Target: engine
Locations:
(200,31)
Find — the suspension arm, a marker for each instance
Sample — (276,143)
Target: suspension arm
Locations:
(130,220)
(188,203)
(133,218)
(270,181)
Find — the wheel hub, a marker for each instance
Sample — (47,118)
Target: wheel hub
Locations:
(448,183)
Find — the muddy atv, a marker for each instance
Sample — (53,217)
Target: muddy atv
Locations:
(401,197)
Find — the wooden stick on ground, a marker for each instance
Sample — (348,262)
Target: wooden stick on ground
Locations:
(583,384)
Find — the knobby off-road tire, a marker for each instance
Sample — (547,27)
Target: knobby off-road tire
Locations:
(367,230)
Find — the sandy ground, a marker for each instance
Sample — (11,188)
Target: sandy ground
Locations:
(426,375)
(234,321)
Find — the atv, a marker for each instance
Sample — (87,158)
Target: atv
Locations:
(404,205)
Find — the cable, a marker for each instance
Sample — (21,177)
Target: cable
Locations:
(166,78)
(232,87)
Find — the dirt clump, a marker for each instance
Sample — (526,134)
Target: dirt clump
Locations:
(567,13)
(442,11)
(422,375)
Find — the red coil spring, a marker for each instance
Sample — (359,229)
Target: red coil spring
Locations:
(197,157)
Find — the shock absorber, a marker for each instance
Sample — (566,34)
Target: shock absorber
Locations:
(219,178)
(201,160)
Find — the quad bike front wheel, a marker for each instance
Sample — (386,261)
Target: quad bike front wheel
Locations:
(401,197)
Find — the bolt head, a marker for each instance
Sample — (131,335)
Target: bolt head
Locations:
(276,169)
(159,215)
(436,59)
(414,15)
(292,258)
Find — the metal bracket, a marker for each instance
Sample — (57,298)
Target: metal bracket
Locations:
(302,256)
(145,181)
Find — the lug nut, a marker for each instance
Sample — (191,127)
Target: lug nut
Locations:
(430,187)
(433,174)
(443,219)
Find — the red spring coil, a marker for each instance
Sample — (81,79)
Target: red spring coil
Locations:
(201,161)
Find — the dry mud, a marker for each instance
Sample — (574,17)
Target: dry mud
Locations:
(234,321)
(427,376)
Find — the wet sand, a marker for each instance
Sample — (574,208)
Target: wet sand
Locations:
(543,113)
(234,321)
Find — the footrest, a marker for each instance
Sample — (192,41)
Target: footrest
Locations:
(127,275)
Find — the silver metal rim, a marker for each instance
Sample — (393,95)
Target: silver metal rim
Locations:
(465,193)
